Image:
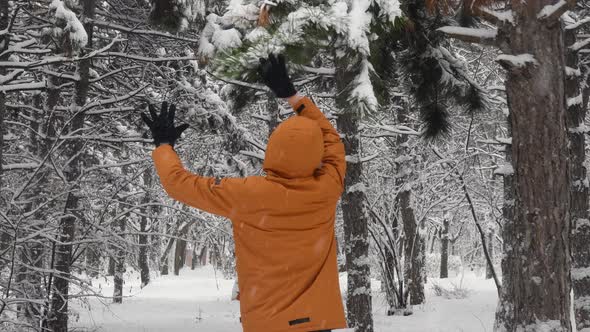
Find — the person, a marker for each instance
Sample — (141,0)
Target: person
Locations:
(284,222)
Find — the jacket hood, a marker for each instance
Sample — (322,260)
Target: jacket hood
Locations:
(295,149)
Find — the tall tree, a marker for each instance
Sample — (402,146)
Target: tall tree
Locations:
(75,41)
(576,92)
(536,264)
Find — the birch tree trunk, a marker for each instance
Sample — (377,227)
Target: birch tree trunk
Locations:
(536,268)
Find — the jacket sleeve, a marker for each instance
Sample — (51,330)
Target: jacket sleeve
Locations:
(212,195)
(334,159)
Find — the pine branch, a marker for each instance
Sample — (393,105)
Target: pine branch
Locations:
(552,13)
(471,35)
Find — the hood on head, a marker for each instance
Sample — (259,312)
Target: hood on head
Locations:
(295,149)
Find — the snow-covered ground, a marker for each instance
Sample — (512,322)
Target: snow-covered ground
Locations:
(200,301)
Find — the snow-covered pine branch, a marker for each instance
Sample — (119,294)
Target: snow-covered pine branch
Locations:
(553,12)
(471,35)
(520,61)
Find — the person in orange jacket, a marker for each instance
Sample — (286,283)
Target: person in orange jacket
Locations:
(284,222)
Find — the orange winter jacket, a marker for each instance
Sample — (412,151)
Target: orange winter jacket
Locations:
(283,223)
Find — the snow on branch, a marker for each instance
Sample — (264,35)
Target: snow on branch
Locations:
(358,26)
(504,170)
(55,59)
(77,34)
(577,24)
(471,35)
(110,25)
(319,71)
(554,12)
(13,167)
(580,45)
(495,16)
(112,100)
(24,86)
(520,61)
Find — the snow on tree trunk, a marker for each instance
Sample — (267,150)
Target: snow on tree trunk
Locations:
(536,267)
(580,223)
(356,219)
(444,251)
(414,247)
(144,267)
(358,299)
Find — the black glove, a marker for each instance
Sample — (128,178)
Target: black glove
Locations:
(274,74)
(162,126)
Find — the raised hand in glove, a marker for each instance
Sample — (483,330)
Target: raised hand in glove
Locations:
(162,126)
(274,74)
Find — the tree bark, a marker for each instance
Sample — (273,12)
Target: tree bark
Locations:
(58,321)
(580,223)
(490,244)
(179,254)
(536,266)
(143,263)
(414,247)
(119,280)
(444,251)
(4,40)
(358,300)
(356,230)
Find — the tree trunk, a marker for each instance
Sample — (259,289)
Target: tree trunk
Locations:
(358,300)
(58,321)
(120,265)
(179,256)
(144,267)
(490,244)
(4,40)
(536,266)
(444,251)
(576,113)
(414,247)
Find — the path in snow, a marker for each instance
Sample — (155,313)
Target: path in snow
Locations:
(198,301)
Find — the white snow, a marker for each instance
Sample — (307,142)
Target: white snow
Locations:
(551,9)
(505,169)
(577,100)
(502,16)
(517,61)
(391,8)
(74,27)
(473,32)
(575,72)
(579,273)
(357,187)
(199,301)
(224,39)
(363,92)
(359,21)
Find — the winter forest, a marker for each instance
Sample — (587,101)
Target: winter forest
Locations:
(465,202)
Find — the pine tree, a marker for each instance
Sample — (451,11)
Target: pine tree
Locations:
(536,265)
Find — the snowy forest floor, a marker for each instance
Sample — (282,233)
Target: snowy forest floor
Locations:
(199,300)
